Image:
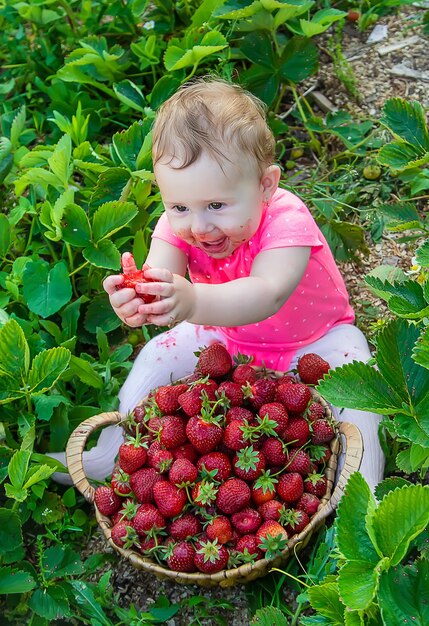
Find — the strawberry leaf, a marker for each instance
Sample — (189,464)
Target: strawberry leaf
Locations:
(324,599)
(404,591)
(401,516)
(359,386)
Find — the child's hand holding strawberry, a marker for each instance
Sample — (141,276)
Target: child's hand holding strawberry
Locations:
(122,291)
(177,297)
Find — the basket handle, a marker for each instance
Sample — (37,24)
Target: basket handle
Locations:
(76,445)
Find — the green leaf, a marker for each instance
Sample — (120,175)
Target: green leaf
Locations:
(17,493)
(422,254)
(17,127)
(15,581)
(14,353)
(60,561)
(409,427)
(5,238)
(388,485)
(111,217)
(85,372)
(409,301)
(110,186)
(299,60)
(320,21)
(130,94)
(46,290)
(50,603)
(262,81)
(357,584)
(45,405)
(178,55)
(352,535)
(37,474)
(18,466)
(258,48)
(127,144)
(400,156)
(401,516)
(359,386)
(100,313)
(49,509)
(75,226)
(324,598)
(406,120)
(104,254)
(420,352)
(163,89)
(269,616)
(10,531)
(46,369)
(89,605)
(404,594)
(59,162)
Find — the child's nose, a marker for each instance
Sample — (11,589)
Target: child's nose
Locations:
(201,225)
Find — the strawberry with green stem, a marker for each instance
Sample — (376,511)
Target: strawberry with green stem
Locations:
(210,556)
(205,430)
(124,535)
(238,435)
(133,452)
(248,463)
(180,556)
(214,360)
(272,538)
(218,527)
(264,488)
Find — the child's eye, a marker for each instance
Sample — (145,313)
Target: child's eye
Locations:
(179,208)
(216,205)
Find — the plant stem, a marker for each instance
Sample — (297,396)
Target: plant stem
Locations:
(79,268)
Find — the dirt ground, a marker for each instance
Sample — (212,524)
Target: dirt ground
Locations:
(375,79)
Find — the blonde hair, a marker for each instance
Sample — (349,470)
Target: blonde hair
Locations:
(214,116)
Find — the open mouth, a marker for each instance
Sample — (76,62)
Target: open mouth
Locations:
(214,246)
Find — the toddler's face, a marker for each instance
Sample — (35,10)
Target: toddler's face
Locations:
(212,210)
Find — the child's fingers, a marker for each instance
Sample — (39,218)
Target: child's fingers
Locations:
(122,296)
(110,283)
(135,320)
(157,308)
(128,309)
(159,274)
(128,263)
(165,290)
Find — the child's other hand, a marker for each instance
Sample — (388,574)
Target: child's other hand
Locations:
(176,298)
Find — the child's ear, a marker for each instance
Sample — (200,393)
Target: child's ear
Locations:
(270,181)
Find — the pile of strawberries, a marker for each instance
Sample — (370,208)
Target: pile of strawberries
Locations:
(223,469)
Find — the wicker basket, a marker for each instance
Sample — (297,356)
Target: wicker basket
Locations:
(248,571)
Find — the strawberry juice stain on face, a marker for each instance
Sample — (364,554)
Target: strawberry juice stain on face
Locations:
(208,208)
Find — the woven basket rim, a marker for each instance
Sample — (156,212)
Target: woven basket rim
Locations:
(246,571)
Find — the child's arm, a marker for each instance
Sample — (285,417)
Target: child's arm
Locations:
(274,276)
(126,302)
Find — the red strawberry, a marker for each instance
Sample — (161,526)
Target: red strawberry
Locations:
(142,483)
(182,472)
(180,557)
(132,276)
(172,431)
(308,503)
(185,526)
(290,487)
(260,392)
(270,530)
(127,511)
(239,413)
(192,400)
(248,463)
(215,461)
(243,374)
(233,496)
(132,455)
(153,449)
(274,451)
(311,368)
(123,535)
(298,461)
(324,455)
(185,451)
(294,397)
(106,500)
(247,520)
(233,392)
(214,361)
(161,461)
(147,544)
(204,493)
(271,510)
(148,518)
(121,483)
(277,413)
(263,489)
(166,397)
(203,435)
(169,499)
(297,432)
(219,528)
(316,484)
(315,411)
(210,557)
(287,379)
(233,435)
(249,543)
(295,520)
(322,432)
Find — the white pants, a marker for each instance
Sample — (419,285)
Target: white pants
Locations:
(170,356)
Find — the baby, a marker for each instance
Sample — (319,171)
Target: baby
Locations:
(262,278)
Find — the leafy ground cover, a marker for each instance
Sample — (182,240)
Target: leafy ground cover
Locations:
(79,86)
